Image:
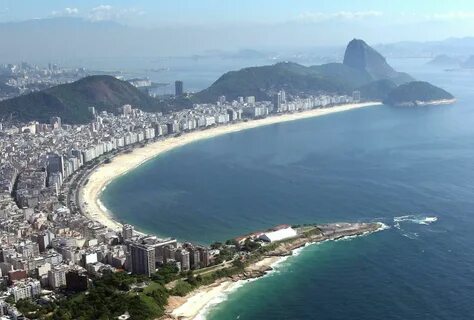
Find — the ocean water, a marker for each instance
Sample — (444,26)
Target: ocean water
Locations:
(411,168)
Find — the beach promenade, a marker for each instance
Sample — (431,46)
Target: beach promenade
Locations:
(89,193)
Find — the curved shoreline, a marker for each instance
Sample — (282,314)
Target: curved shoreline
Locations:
(199,303)
(103,174)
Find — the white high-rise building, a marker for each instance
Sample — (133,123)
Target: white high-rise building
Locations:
(26,289)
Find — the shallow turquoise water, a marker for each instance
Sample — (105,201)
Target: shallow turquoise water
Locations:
(376,163)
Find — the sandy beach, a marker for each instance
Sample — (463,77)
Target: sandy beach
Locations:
(103,174)
(195,305)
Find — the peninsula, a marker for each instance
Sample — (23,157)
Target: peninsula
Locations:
(418,93)
(254,260)
(52,175)
(363,70)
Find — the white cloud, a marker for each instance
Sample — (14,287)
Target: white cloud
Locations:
(66,12)
(71,10)
(449,16)
(107,12)
(310,16)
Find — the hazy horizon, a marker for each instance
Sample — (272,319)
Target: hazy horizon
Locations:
(75,30)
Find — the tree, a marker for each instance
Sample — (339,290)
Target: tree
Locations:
(216,245)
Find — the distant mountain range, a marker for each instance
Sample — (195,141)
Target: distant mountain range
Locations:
(445,61)
(363,69)
(417,49)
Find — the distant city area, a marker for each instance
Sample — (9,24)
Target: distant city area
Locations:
(23,78)
(49,241)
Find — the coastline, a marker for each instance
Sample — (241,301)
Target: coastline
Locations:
(102,175)
(197,304)
(426,103)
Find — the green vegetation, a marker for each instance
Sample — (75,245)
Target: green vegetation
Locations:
(111,296)
(226,253)
(182,288)
(363,69)
(166,274)
(377,90)
(71,101)
(414,91)
(250,245)
(145,298)
(362,65)
(311,232)
(33,310)
(263,82)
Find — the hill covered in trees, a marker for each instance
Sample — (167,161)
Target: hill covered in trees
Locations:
(362,65)
(71,101)
(416,93)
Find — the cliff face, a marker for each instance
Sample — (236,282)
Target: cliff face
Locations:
(359,55)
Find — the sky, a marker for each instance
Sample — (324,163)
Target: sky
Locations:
(160,13)
(38,28)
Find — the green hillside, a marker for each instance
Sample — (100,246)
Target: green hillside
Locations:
(377,90)
(362,65)
(416,91)
(263,82)
(71,101)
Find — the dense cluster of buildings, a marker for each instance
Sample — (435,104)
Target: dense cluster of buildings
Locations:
(22,78)
(46,243)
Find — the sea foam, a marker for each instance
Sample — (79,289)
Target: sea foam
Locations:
(223,296)
(424,220)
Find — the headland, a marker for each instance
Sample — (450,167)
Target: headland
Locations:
(259,263)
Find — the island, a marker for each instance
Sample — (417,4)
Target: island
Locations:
(444,61)
(418,93)
(364,73)
(469,63)
(65,256)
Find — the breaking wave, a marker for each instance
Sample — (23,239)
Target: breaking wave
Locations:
(414,219)
(276,266)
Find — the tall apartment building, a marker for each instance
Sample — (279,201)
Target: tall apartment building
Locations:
(183,257)
(127,231)
(142,258)
(194,258)
(57,277)
(178,88)
(26,289)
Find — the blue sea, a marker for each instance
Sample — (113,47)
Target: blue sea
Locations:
(410,168)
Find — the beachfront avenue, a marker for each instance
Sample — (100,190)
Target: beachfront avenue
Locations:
(57,241)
